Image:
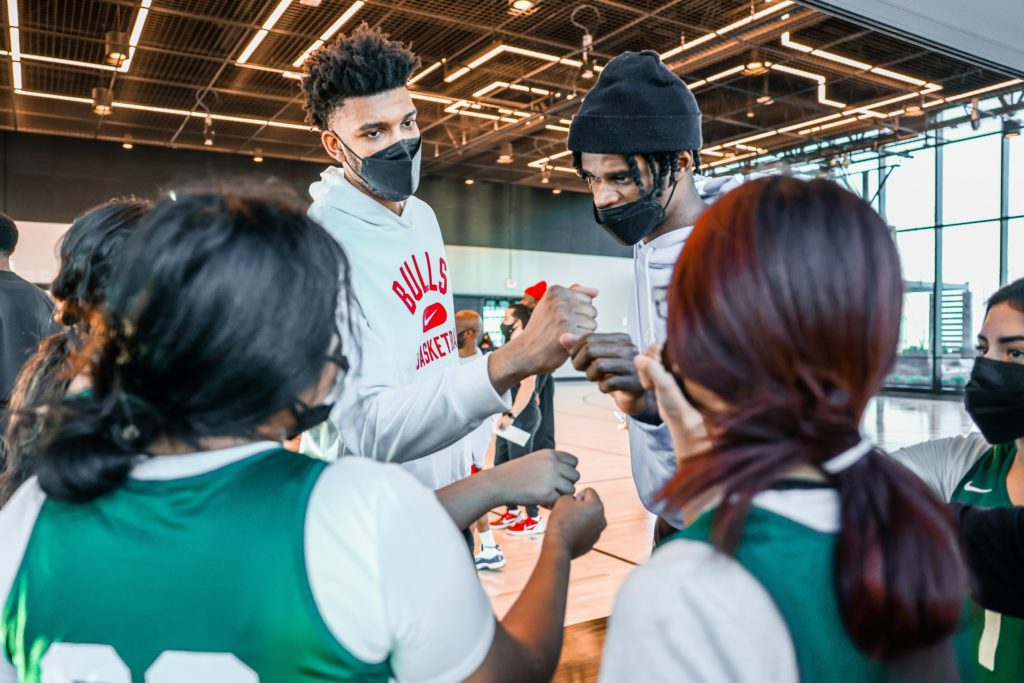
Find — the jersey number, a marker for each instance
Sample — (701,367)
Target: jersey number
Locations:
(88,663)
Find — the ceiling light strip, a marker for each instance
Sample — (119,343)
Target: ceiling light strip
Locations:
(787,41)
(331,30)
(67,62)
(541,162)
(170,111)
(136,35)
(425,72)
(990,88)
(522,52)
(775,7)
(430,98)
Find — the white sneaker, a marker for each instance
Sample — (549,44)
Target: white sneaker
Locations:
(490,557)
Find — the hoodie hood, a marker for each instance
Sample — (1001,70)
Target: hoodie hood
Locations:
(334,191)
(711,189)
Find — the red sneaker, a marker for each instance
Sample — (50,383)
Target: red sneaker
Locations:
(528,526)
(508,519)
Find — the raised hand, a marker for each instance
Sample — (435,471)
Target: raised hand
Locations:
(577,522)
(607,360)
(538,478)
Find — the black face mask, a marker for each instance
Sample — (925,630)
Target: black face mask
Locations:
(506,331)
(393,173)
(307,417)
(994,399)
(632,222)
(464,337)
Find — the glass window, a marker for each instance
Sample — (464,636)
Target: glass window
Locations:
(1015,249)
(1016,205)
(493,316)
(913,365)
(970,179)
(986,123)
(970,275)
(910,188)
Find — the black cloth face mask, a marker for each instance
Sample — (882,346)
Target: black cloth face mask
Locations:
(393,173)
(994,398)
(306,416)
(632,222)
(506,331)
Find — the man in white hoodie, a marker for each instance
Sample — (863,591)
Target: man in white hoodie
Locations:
(636,141)
(410,401)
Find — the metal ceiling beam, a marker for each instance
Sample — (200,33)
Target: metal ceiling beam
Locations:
(482,29)
(217,21)
(756,37)
(224,65)
(638,11)
(504,133)
(149,80)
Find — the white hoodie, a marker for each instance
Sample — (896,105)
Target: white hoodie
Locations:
(652,457)
(407,398)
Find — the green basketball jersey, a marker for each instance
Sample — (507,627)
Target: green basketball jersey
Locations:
(201,578)
(998,639)
(795,564)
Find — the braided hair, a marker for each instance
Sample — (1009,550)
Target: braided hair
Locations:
(664,168)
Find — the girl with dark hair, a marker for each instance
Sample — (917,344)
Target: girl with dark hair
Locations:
(987,469)
(167,536)
(809,555)
(88,252)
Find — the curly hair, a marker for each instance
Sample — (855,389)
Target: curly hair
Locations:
(664,167)
(366,62)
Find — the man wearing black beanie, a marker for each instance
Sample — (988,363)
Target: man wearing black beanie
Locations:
(635,141)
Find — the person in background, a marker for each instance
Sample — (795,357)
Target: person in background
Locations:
(545,437)
(26,314)
(635,142)
(167,536)
(88,254)
(987,469)
(486,345)
(468,325)
(525,415)
(409,401)
(810,555)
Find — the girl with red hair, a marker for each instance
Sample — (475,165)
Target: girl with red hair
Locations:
(810,555)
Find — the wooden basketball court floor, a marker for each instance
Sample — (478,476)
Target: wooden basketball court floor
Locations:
(586,426)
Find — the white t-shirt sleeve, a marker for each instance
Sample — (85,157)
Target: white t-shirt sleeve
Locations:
(943,463)
(392,576)
(693,614)
(17,519)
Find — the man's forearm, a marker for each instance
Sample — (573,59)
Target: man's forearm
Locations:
(507,367)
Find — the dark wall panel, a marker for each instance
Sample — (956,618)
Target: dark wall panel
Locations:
(517,217)
(53,179)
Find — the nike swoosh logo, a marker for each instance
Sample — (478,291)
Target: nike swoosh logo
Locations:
(434,315)
(968,487)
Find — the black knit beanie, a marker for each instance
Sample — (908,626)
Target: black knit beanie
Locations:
(637,106)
